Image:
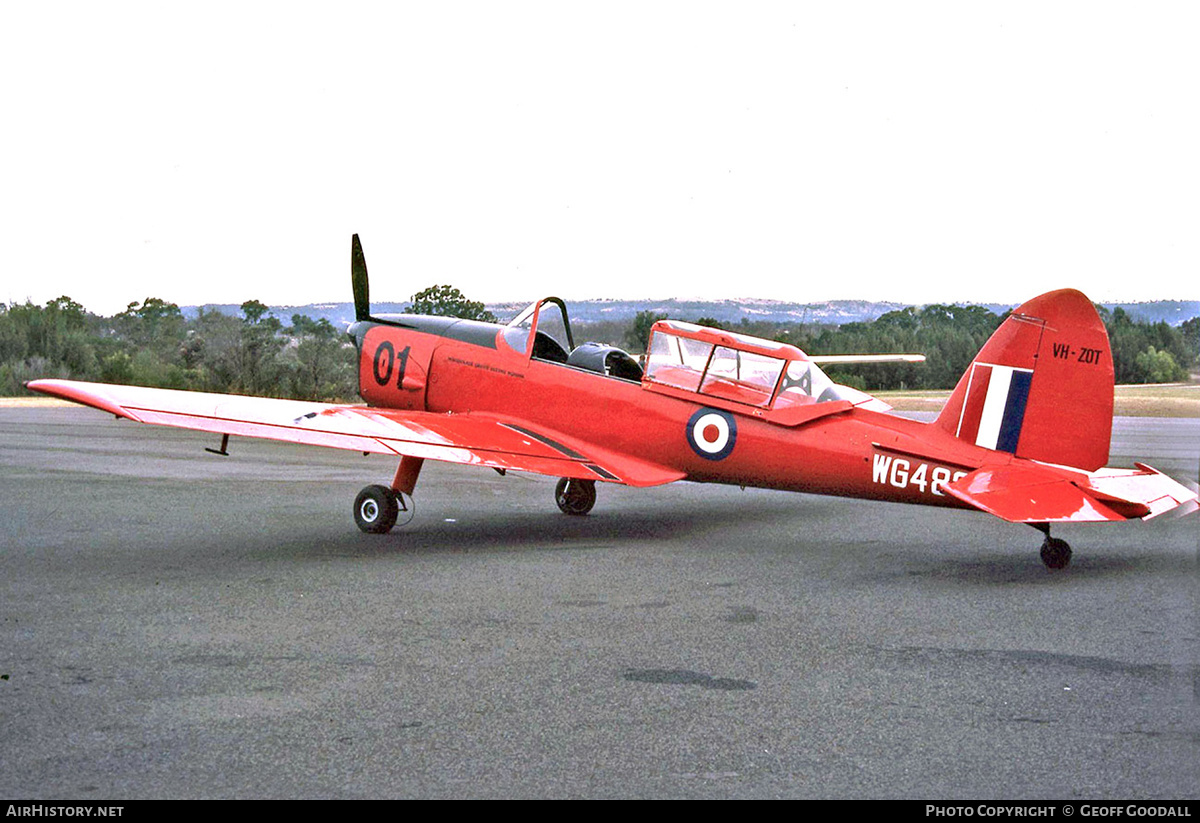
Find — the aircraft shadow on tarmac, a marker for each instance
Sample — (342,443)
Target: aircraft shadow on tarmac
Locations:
(941,547)
(1013,566)
(723,521)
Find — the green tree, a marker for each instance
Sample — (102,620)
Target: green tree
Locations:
(38,341)
(1138,348)
(1190,332)
(14,336)
(324,361)
(155,324)
(213,349)
(258,369)
(637,338)
(447,301)
(1158,366)
(117,368)
(73,315)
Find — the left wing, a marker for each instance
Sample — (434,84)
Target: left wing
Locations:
(495,442)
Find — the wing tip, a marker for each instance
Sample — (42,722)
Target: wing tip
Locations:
(85,394)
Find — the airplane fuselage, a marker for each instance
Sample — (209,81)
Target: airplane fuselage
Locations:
(460,367)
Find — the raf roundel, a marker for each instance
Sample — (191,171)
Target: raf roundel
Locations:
(712,433)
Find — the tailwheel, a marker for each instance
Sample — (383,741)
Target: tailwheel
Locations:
(376,509)
(575,497)
(1056,554)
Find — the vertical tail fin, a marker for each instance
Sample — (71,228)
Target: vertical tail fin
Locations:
(1042,385)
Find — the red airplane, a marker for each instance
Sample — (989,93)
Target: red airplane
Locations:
(1024,435)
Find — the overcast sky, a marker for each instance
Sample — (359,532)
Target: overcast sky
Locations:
(920,152)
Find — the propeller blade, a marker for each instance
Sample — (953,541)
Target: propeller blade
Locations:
(358,280)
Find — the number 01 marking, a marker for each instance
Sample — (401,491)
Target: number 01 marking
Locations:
(386,360)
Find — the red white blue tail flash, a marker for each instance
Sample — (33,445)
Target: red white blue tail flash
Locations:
(994,410)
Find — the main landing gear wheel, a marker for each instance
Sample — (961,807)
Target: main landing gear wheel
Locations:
(1056,554)
(575,497)
(376,509)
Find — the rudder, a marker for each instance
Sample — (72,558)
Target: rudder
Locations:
(1042,385)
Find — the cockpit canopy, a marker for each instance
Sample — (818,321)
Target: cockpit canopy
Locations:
(735,367)
(685,357)
(547,320)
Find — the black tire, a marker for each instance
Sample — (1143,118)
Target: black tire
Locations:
(375,509)
(1056,554)
(575,497)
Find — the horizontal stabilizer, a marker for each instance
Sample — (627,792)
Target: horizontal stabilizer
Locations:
(1035,493)
(1159,493)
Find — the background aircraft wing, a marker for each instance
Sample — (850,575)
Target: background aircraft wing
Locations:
(495,442)
(836,359)
(1035,493)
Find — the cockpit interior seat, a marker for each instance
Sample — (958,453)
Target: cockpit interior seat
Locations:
(607,360)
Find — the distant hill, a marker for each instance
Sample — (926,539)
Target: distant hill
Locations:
(1173,312)
(833,312)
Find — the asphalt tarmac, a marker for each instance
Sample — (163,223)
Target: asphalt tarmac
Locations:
(175,624)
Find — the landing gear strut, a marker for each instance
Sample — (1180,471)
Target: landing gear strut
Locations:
(377,507)
(575,497)
(1056,554)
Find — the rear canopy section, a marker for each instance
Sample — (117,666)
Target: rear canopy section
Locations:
(720,365)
